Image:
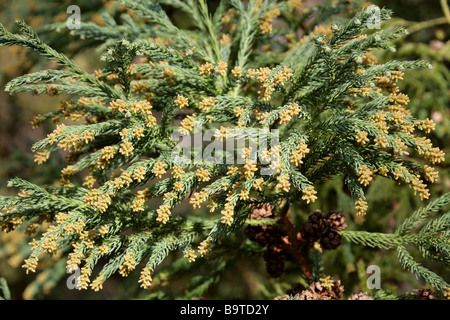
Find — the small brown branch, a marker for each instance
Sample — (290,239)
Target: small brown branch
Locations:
(293,243)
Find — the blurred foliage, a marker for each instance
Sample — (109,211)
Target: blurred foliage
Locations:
(16,112)
(429,92)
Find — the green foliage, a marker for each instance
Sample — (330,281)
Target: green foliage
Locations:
(431,238)
(4,289)
(120,203)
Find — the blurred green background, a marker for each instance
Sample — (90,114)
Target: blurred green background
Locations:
(389,203)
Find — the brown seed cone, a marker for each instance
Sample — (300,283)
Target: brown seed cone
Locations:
(264,211)
(425,294)
(254,233)
(274,262)
(313,227)
(317,291)
(336,220)
(264,235)
(360,296)
(337,289)
(330,239)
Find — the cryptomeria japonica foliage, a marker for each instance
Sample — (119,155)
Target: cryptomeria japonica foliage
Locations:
(300,89)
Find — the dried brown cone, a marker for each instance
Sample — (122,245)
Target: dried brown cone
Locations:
(425,294)
(318,291)
(336,220)
(274,262)
(255,233)
(264,211)
(313,227)
(264,235)
(330,239)
(360,296)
